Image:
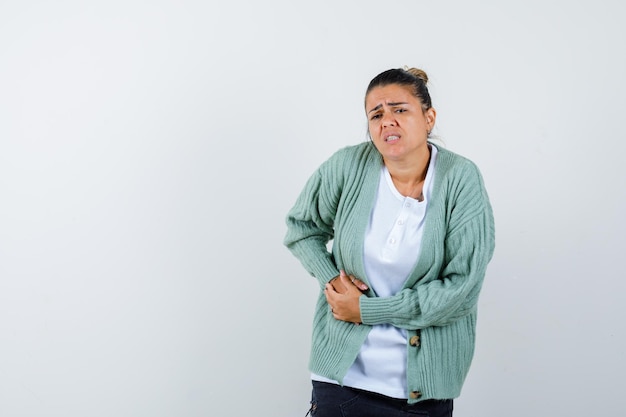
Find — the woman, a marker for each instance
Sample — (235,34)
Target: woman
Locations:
(413,232)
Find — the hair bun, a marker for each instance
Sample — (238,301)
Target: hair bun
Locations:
(421,74)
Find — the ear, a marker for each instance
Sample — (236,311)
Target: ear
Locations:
(431,116)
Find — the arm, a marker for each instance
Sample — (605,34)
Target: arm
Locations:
(310,225)
(443,300)
(451,290)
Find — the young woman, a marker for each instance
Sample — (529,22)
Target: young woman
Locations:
(413,232)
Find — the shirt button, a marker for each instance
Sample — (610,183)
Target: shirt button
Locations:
(414,341)
(400,222)
(415,395)
(392,241)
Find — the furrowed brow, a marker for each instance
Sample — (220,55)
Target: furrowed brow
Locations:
(399,103)
(375,108)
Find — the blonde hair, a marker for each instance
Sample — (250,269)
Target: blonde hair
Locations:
(419,73)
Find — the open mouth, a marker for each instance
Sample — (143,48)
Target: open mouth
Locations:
(392,138)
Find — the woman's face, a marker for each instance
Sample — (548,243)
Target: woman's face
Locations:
(397,123)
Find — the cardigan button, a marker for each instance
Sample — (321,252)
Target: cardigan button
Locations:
(414,341)
(415,395)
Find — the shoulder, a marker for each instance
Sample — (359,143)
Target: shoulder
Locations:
(348,158)
(452,160)
(460,184)
(453,166)
(364,150)
(459,178)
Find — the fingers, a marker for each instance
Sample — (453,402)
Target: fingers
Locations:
(342,296)
(360,284)
(338,285)
(333,295)
(330,293)
(353,280)
(344,307)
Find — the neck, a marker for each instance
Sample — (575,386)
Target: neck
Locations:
(409,171)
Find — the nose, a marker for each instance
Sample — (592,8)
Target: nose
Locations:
(388,120)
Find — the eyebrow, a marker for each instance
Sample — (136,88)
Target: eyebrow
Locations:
(390,104)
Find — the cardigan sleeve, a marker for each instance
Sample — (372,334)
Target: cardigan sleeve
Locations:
(468,247)
(310,224)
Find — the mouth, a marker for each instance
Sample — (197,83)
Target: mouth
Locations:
(392,138)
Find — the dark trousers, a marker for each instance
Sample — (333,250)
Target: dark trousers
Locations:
(330,400)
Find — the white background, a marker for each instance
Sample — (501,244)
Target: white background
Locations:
(149,151)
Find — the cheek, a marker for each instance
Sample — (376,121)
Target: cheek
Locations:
(373,133)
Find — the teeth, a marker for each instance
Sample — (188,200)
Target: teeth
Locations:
(392,137)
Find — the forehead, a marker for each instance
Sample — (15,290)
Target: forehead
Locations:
(392,93)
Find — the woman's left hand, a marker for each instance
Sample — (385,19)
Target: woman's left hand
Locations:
(345,305)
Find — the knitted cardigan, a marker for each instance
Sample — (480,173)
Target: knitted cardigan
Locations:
(437,302)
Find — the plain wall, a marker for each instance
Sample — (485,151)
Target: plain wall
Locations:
(149,151)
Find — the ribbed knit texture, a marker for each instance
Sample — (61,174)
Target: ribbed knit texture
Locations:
(438,301)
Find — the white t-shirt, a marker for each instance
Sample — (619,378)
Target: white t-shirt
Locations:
(391,249)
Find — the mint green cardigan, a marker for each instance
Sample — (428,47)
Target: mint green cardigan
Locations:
(438,301)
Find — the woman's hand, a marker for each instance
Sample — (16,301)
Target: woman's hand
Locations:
(342,294)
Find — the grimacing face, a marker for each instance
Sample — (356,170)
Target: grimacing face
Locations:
(397,123)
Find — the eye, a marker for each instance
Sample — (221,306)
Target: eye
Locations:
(376,116)
(400,110)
